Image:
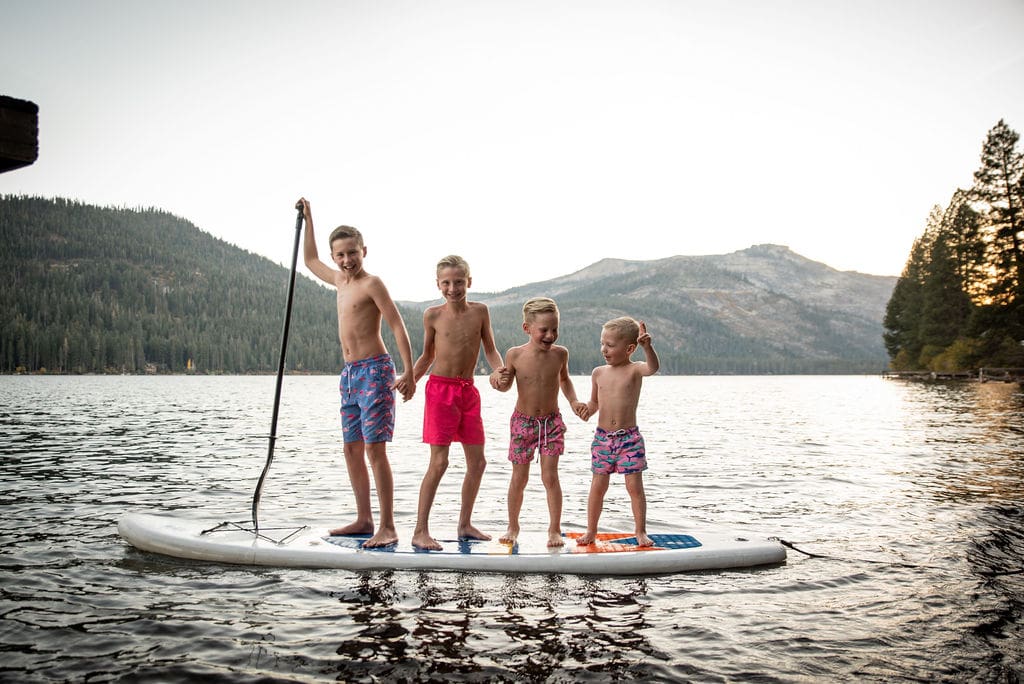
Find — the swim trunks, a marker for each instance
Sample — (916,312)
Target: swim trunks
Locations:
(621,451)
(546,434)
(451,412)
(367,400)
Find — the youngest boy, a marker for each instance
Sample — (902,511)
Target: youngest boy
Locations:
(540,368)
(618,446)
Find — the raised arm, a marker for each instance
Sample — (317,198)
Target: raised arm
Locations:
(309,251)
(651,364)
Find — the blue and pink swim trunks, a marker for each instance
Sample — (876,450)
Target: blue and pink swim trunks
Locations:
(451,412)
(368,400)
(621,451)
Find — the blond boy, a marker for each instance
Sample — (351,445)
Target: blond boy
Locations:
(540,368)
(453,333)
(367,384)
(618,446)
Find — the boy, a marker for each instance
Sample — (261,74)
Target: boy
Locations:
(367,383)
(618,446)
(540,368)
(452,335)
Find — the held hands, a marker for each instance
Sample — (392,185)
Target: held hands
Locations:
(405,385)
(581,410)
(501,379)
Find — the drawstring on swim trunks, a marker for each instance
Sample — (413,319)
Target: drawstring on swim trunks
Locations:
(542,427)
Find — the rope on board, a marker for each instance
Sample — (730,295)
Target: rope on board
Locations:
(992,573)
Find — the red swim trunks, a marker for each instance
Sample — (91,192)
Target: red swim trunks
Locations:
(451,412)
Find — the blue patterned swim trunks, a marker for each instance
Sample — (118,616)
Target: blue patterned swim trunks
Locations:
(367,400)
(621,451)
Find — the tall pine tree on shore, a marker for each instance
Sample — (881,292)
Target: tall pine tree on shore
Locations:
(959,302)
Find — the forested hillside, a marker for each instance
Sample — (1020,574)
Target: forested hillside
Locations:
(88,289)
(959,303)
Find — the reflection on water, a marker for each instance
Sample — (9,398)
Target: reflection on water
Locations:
(911,493)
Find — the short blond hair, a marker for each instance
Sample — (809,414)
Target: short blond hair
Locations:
(343,232)
(625,327)
(453,261)
(538,305)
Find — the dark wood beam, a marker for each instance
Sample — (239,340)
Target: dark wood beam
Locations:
(19,133)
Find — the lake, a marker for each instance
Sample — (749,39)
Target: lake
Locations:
(910,495)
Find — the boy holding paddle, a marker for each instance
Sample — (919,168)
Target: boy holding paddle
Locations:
(368,381)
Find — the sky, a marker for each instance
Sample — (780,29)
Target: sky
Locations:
(532,137)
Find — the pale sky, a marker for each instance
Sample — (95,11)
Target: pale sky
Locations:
(533,137)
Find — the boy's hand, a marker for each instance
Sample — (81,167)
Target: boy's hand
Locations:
(644,340)
(501,379)
(405,385)
(581,410)
(303,206)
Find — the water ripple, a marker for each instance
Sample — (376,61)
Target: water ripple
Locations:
(910,494)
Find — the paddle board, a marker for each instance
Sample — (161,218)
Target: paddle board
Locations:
(611,554)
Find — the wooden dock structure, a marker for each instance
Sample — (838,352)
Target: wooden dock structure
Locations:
(979,375)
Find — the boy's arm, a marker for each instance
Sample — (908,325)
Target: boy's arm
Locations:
(592,405)
(309,252)
(490,348)
(405,383)
(651,363)
(422,365)
(569,389)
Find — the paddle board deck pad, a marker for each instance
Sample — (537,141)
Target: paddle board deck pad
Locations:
(611,554)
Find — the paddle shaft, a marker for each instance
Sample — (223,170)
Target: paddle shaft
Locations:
(280,376)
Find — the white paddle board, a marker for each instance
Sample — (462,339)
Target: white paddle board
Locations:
(611,554)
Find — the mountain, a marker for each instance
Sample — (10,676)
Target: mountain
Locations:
(761,309)
(90,289)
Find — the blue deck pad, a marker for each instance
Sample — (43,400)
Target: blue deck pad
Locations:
(665,541)
(463,546)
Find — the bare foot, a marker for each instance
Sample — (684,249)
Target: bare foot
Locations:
(555,539)
(384,537)
(586,539)
(426,542)
(643,540)
(353,528)
(471,532)
(510,536)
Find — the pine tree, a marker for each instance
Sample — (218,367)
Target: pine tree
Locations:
(903,312)
(997,189)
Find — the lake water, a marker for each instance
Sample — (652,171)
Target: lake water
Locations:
(912,495)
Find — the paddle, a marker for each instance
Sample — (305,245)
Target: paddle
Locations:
(280,375)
